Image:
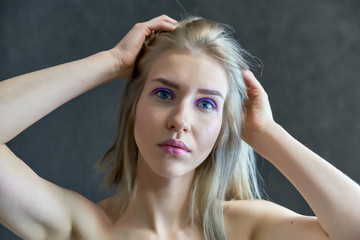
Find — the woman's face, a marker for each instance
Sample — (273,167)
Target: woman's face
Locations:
(179,113)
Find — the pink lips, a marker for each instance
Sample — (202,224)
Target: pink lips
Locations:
(173,147)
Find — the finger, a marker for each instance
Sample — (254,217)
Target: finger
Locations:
(162,19)
(160,24)
(166,18)
(250,80)
(164,26)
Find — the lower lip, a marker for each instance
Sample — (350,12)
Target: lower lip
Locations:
(173,150)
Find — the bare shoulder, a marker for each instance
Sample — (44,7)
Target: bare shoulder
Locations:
(34,208)
(105,207)
(104,204)
(238,220)
(264,220)
(89,220)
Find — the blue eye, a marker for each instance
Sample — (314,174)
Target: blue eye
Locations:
(163,93)
(207,104)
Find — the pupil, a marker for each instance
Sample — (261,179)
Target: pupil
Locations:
(204,104)
(164,94)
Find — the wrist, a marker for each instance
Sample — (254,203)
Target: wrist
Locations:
(115,62)
(271,131)
(121,69)
(260,139)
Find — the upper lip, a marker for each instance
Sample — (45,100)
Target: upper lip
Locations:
(175,143)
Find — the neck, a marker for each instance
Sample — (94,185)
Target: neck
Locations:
(159,204)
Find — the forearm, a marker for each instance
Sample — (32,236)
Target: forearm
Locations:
(27,98)
(333,196)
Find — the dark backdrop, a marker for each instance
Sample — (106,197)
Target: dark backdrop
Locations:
(311,56)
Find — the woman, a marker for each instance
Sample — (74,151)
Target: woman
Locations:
(178,165)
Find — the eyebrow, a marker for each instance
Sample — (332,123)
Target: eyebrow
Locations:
(211,92)
(201,90)
(166,82)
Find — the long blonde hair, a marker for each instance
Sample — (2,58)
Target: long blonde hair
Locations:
(229,172)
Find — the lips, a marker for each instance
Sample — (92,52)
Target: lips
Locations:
(174,147)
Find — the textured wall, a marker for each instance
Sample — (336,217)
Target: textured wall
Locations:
(311,56)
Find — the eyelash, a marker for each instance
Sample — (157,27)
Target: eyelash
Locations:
(210,101)
(157,91)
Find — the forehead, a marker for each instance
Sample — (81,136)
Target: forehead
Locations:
(195,70)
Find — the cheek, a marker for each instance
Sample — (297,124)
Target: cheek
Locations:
(141,127)
(148,121)
(208,134)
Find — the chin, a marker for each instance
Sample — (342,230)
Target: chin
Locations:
(165,167)
(173,171)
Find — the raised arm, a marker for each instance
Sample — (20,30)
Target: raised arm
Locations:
(30,206)
(334,197)
(27,98)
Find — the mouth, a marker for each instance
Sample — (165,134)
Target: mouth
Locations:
(174,147)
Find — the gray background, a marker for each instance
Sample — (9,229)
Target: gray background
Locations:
(311,56)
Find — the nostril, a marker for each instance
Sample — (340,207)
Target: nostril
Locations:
(180,127)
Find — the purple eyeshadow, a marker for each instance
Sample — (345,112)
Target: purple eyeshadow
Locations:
(211,101)
(153,92)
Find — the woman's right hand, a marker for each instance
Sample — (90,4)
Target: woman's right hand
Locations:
(126,51)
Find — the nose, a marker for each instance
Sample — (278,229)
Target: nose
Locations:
(179,119)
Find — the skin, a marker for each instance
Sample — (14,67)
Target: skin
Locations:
(34,208)
(164,178)
(179,116)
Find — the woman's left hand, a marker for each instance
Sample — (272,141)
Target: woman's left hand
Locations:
(256,116)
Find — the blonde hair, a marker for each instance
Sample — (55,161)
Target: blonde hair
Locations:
(229,172)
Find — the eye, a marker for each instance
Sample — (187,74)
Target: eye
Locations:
(207,104)
(163,93)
